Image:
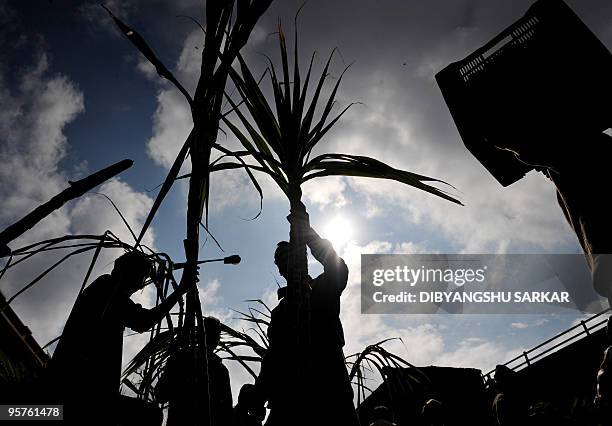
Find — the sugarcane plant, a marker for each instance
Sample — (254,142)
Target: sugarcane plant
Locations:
(280,135)
(248,345)
(375,358)
(143,371)
(227,28)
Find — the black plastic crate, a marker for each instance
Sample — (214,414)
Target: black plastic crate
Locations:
(546,79)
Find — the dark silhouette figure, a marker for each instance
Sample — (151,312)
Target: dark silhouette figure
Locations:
(327,384)
(433,413)
(603,397)
(508,406)
(536,97)
(246,411)
(85,370)
(382,416)
(171,386)
(579,176)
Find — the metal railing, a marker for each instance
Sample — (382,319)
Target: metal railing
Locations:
(556,342)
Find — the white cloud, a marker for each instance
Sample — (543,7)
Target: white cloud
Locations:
(209,293)
(519,325)
(477,353)
(172,120)
(423,337)
(33,117)
(411,129)
(494,219)
(133,205)
(171,126)
(326,192)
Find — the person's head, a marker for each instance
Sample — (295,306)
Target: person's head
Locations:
(247,392)
(250,402)
(212,328)
(132,269)
(432,412)
(382,412)
(504,378)
(281,258)
(607,358)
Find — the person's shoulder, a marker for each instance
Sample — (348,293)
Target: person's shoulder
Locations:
(217,363)
(102,280)
(100,284)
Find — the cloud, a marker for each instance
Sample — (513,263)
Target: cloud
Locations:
(423,336)
(326,192)
(522,325)
(405,123)
(171,126)
(519,325)
(34,114)
(479,353)
(98,19)
(421,340)
(209,293)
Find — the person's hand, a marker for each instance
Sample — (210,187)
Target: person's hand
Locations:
(299,208)
(187,280)
(299,216)
(252,402)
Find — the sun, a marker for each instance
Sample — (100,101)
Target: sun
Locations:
(339,231)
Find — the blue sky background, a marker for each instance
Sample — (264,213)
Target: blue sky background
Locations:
(75,96)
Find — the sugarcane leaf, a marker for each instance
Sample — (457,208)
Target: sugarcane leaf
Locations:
(262,151)
(307,121)
(125,222)
(148,53)
(317,135)
(242,362)
(354,165)
(285,63)
(247,169)
(167,185)
(43,274)
(258,105)
(159,344)
(244,358)
(260,302)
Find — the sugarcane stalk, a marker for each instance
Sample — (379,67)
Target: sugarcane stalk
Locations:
(75,190)
(299,296)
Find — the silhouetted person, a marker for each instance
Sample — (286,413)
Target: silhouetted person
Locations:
(172,384)
(326,386)
(247,412)
(603,397)
(85,370)
(433,412)
(508,405)
(581,176)
(382,416)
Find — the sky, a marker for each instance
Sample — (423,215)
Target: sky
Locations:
(75,96)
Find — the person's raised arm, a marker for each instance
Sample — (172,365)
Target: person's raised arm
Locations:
(320,248)
(140,319)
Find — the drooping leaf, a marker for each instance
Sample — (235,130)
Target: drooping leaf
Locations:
(148,53)
(356,165)
(167,185)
